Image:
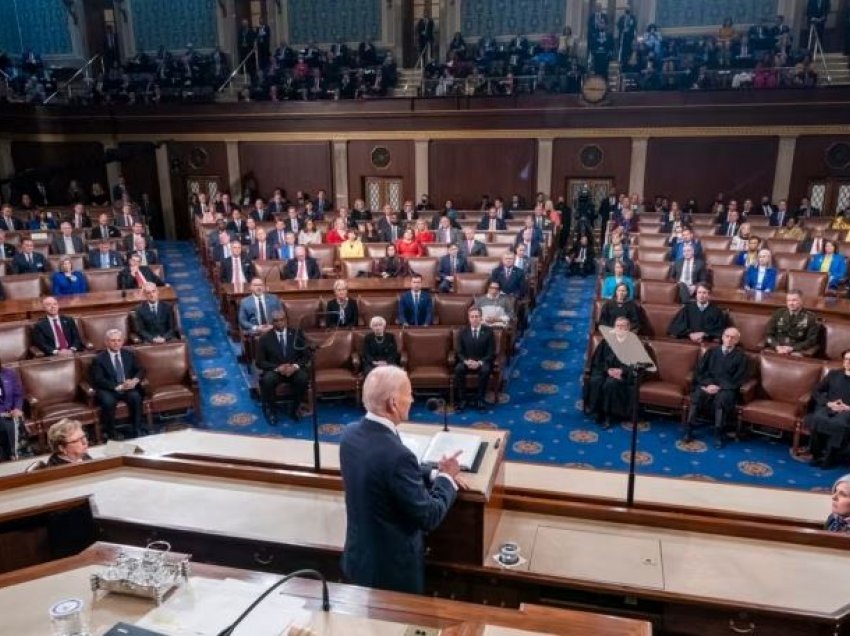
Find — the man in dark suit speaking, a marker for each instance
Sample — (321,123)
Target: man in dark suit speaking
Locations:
(390,501)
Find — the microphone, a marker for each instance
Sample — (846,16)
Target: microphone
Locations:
(326,603)
(433,404)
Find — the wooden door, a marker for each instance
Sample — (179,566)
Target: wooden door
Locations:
(381,191)
(599,189)
(830,195)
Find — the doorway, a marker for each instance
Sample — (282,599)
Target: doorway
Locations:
(381,191)
(829,195)
(599,189)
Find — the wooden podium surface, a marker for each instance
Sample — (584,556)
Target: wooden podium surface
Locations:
(354,610)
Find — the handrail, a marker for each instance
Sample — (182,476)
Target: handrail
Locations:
(816,47)
(241,66)
(72,78)
(5,75)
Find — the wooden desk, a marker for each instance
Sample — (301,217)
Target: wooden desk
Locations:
(30,308)
(353,609)
(738,300)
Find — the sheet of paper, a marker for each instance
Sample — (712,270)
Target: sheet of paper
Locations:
(447,444)
(417,443)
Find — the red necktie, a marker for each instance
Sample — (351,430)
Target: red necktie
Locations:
(262,251)
(60,335)
(301,274)
(140,279)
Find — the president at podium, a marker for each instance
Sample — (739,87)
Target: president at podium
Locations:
(390,500)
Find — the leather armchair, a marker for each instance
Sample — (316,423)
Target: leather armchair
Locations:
(727,276)
(337,364)
(751,327)
(23,286)
(719,257)
(170,382)
(14,341)
(376,250)
(650,240)
(497,250)
(384,306)
(657,319)
(837,339)
(267,270)
(436,250)
(791,261)
(719,243)
(649,270)
(95,326)
(781,397)
(471,284)
(656,291)
(451,309)
(782,245)
(652,255)
(356,267)
(102,279)
(669,387)
(302,312)
(812,284)
(426,267)
(430,358)
(484,264)
(326,257)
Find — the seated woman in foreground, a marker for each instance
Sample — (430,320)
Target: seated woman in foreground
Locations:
(839,519)
(611,282)
(68,442)
(609,394)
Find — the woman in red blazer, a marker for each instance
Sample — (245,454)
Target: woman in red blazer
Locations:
(408,246)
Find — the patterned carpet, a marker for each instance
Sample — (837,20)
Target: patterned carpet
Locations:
(541,406)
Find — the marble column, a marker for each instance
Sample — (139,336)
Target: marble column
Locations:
(421,159)
(166,199)
(113,168)
(784,166)
(225,23)
(544,166)
(637,169)
(278,12)
(124,25)
(340,173)
(234,170)
(7,166)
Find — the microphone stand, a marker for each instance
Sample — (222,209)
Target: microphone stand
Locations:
(636,370)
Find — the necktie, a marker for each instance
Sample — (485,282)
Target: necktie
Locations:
(261,308)
(302,274)
(395,233)
(731,231)
(128,220)
(454,266)
(29,259)
(153,308)
(140,279)
(416,299)
(493,225)
(104,261)
(581,255)
(282,339)
(237,270)
(2,251)
(341,317)
(142,257)
(119,368)
(61,340)
(475,334)
(508,273)
(686,272)
(262,251)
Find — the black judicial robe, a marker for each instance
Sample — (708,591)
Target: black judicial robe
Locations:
(612,310)
(831,430)
(606,396)
(711,320)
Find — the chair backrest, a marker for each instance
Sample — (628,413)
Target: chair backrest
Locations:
(52,381)
(727,276)
(758,221)
(782,245)
(102,279)
(650,270)
(657,318)
(471,284)
(785,379)
(302,312)
(497,250)
(656,291)
(325,255)
(503,237)
(837,339)
(14,341)
(436,250)
(164,364)
(484,264)
(719,257)
(376,250)
(751,327)
(791,261)
(651,217)
(95,327)
(675,360)
(267,270)
(651,240)
(384,306)
(337,353)
(424,266)
(22,286)
(715,242)
(427,347)
(77,261)
(354,267)
(812,284)
(450,309)
(653,255)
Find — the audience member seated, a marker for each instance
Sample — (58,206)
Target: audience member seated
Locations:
(791,230)
(422,234)
(67,242)
(11,413)
(68,443)
(371,233)
(749,257)
(491,222)
(43,221)
(415,307)
(814,244)
(302,267)
(762,276)
(309,235)
(135,275)
(511,279)
(449,265)
(352,246)
(687,272)
(741,241)
(407,246)
(66,281)
(525,263)
(582,258)
(832,263)
(155,318)
(497,309)
(256,309)
(286,250)
(839,519)
(614,280)
(115,375)
(28,261)
(281,357)
(678,245)
(829,424)
(379,346)
(341,310)
(609,393)
(620,305)
(699,321)
(104,257)
(476,351)
(470,246)
(140,249)
(793,330)
(618,255)
(7,250)
(445,233)
(719,375)
(841,222)
(55,335)
(392,265)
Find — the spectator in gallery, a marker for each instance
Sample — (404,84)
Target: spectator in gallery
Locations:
(392,265)
(379,346)
(832,263)
(761,276)
(68,281)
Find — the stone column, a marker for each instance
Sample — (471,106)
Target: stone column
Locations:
(7,166)
(544,166)
(124,25)
(113,168)
(226,26)
(421,163)
(637,169)
(278,12)
(166,199)
(77,32)
(234,171)
(576,20)
(784,166)
(340,173)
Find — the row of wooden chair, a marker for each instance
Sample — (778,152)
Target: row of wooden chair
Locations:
(25,286)
(755,220)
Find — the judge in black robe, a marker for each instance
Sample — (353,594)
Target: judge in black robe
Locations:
(379,346)
(609,390)
(699,320)
(720,373)
(830,422)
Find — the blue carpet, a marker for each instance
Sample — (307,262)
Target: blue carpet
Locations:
(541,408)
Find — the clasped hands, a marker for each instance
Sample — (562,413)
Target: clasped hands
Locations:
(128,384)
(838,406)
(617,374)
(472,364)
(287,369)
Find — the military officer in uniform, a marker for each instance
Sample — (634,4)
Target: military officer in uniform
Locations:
(793,330)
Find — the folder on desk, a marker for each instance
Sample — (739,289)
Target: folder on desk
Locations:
(430,449)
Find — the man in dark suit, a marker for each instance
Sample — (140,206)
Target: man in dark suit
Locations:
(260,213)
(56,335)
(342,311)
(8,222)
(415,307)
(475,349)
(765,208)
(470,246)
(449,265)
(66,242)
(582,257)
(293,222)
(115,375)
(103,230)
(238,269)
(780,215)
(140,249)
(389,228)
(302,267)
(490,222)
(155,318)
(226,206)
(511,279)
(7,250)
(262,249)
(678,245)
(236,224)
(28,261)
(391,501)
(688,271)
(135,275)
(78,219)
(286,251)
(731,226)
(281,357)
(806,210)
(104,257)
(533,246)
(119,189)
(126,219)
(138,230)
(322,205)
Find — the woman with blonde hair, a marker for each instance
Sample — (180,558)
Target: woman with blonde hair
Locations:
(68,442)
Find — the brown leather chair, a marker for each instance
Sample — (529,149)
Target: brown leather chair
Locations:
(651,217)
(95,327)
(503,237)
(650,270)
(651,240)
(660,292)
(653,255)
(715,243)
(781,281)
(471,284)
(669,387)
(497,250)
(376,250)
(727,276)
(337,364)
(384,306)
(837,339)
(102,279)
(657,318)
(170,382)
(326,257)
(436,250)
(760,222)
(812,284)
(356,267)
(14,341)
(267,270)
(77,262)
(781,396)
(484,264)
(782,245)
(719,257)
(56,388)
(751,327)
(23,286)
(451,309)
(790,261)
(430,358)
(302,312)
(424,266)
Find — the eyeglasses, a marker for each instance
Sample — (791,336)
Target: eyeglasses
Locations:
(81,438)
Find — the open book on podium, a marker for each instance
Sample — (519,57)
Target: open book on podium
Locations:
(430,449)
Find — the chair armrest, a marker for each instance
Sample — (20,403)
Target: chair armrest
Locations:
(88,392)
(35,352)
(32,402)
(355,362)
(451,359)
(748,390)
(403,359)
(89,346)
(192,378)
(135,339)
(803,403)
(146,386)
